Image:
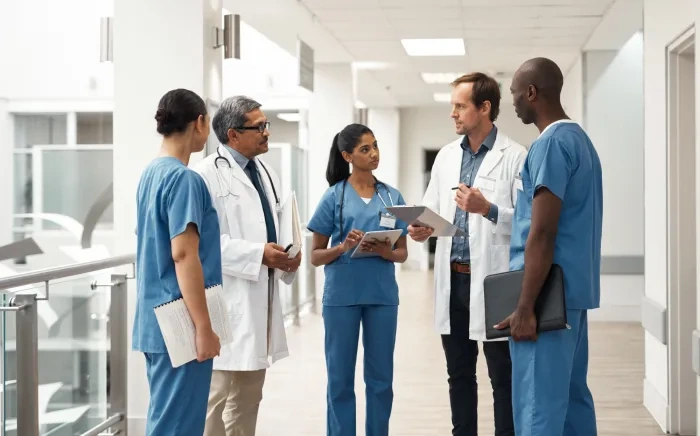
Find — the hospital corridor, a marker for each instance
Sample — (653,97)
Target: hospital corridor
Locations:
(349,218)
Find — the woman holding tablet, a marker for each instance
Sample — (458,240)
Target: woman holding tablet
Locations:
(359,290)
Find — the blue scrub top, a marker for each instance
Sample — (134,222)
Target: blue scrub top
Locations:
(369,280)
(564,160)
(169,197)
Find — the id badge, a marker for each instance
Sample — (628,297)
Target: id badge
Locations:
(518,183)
(387,220)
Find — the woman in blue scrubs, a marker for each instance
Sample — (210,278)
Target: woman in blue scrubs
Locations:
(361,291)
(178,255)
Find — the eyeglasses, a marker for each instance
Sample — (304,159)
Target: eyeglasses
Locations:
(260,127)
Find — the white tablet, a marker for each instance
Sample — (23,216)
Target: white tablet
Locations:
(379,235)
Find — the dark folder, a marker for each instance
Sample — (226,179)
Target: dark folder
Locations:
(501,294)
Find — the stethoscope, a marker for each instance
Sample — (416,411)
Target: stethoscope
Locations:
(278,208)
(376,189)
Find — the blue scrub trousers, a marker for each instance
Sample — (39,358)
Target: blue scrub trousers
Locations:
(342,326)
(179,396)
(550,391)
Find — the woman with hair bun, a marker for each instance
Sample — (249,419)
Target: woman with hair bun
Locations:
(358,291)
(178,255)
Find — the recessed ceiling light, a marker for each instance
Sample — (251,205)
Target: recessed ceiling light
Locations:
(360,105)
(434,47)
(442,97)
(439,78)
(290,117)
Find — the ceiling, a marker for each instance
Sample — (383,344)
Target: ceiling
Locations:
(498,36)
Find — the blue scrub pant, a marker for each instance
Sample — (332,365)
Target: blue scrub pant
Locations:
(342,325)
(550,392)
(179,396)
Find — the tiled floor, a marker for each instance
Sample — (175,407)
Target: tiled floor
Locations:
(294,398)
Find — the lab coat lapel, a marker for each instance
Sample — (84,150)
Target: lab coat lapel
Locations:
(454,169)
(494,156)
(270,193)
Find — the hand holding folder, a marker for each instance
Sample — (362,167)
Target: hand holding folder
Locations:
(501,295)
(290,230)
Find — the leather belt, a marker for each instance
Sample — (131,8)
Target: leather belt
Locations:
(463,268)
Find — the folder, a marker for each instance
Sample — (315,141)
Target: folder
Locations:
(501,294)
(178,329)
(426,217)
(290,230)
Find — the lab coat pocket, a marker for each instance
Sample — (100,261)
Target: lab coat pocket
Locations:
(499,258)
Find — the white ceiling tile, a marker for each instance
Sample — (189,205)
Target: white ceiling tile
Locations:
(340,4)
(508,3)
(354,16)
(419,3)
(427,13)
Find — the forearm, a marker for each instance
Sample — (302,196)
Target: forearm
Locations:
(324,256)
(539,254)
(398,255)
(190,278)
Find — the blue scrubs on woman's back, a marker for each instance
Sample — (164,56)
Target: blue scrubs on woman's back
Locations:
(358,292)
(170,196)
(550,390)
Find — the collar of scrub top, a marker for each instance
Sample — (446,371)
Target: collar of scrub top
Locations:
(489,141)
(376,189)
(565,120)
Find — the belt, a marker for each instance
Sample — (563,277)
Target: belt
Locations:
(463,268)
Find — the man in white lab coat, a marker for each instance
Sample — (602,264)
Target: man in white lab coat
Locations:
(245,193)
(483,164)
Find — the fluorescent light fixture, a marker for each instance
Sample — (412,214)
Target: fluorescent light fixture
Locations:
(292,117)
(439,78)
(360,105)
(442,97)
(434,47)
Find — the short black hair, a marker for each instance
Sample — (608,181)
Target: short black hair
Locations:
(177,109)
(545,75)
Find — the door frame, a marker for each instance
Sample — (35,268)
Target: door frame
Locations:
(681,308)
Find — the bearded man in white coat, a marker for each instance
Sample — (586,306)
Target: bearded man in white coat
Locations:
(245,194)
(483,164)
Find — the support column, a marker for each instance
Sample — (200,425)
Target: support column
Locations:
(159,46)
(7,196)
(385,125)
(331,109)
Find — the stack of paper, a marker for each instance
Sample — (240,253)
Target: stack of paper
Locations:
(178,329)
(290,231)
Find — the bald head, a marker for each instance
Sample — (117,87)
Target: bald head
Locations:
(544,75)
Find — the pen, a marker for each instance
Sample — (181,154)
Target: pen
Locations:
(457,187)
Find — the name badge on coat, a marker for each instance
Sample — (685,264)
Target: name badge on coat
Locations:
(387,220)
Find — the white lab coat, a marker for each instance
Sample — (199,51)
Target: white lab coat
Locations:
(243,238)
(489,243)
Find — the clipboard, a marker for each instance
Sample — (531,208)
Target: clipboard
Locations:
(379,235)
(426,217)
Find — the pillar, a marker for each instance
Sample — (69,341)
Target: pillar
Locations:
(384,123)
(159,45)
(331,108)
(7,197)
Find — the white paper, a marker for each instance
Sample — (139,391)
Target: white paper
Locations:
(379,235)
(178,329)
(426,217)
(290,229)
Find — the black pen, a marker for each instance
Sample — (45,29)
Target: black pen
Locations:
(457,187)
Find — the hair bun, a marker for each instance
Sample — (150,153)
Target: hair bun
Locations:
(161,116)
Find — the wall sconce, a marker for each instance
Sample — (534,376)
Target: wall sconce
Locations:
(229,37)
(106,39)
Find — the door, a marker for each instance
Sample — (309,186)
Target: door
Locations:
(684,389)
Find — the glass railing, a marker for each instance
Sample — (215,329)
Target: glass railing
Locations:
(64,348)
(63,345)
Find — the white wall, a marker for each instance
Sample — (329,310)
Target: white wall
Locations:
(617,131)
(572,93)
(663,22)
(54,50)
(430,128)
(385,125)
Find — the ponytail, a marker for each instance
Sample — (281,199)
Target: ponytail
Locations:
(345,141)
(338,169)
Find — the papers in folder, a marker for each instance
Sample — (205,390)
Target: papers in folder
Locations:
(178,329)
(290,229)
(426,217)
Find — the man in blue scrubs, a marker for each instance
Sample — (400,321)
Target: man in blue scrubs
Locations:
(558,219)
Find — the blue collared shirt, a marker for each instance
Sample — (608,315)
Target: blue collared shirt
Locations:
(470,165)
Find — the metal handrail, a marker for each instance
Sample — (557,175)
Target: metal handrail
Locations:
(61,272)
(99,428)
